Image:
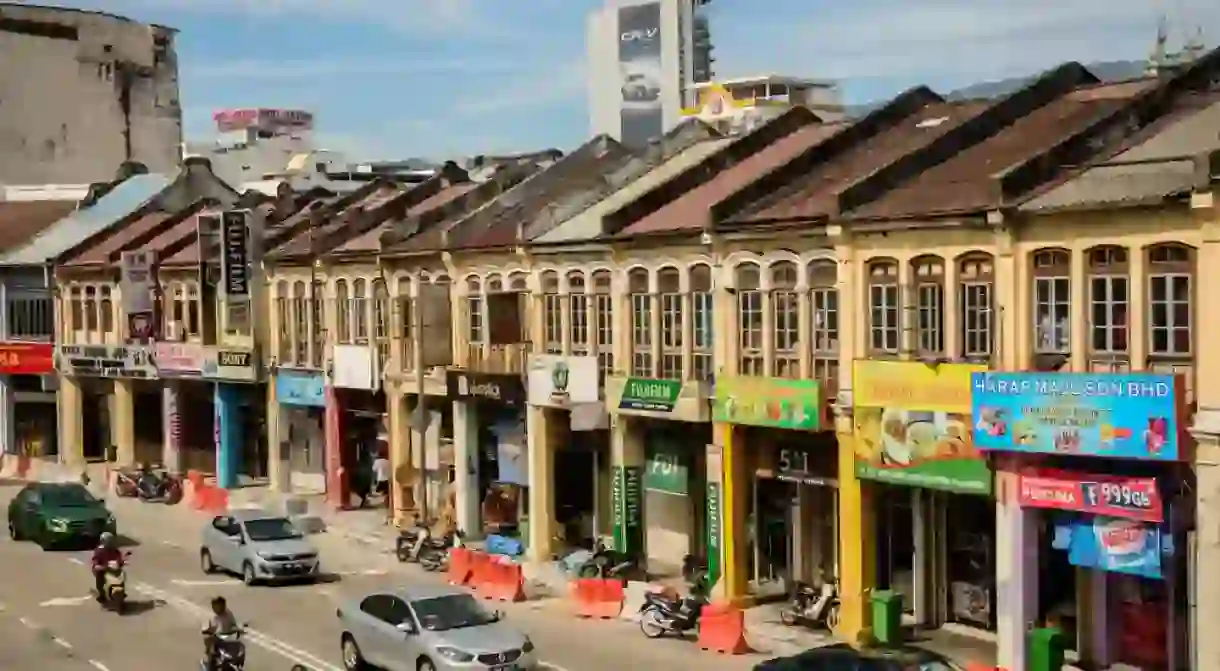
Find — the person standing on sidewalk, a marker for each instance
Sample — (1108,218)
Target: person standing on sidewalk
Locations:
(381,476)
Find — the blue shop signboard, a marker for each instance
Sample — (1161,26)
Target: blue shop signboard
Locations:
(298,388)
(1134,416)
(1113,544)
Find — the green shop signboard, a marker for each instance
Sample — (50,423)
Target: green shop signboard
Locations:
(768,401)
(666,469)
(714,533)
(626,501)
(641,393)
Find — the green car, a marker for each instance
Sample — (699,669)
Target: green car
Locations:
(58,514)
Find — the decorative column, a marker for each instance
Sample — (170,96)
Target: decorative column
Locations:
(228,434)
(541,455)
(857,538)
(338,493)
(1016,572)
(278,472)
(171,444)
(466,467)
(8,433)
(70,408)
(728,503)
(122,422)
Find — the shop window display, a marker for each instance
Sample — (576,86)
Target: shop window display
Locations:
(970,525)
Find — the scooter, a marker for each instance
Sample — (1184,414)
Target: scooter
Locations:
(818,607)
(159,488)
(664,614)
(114,587)
(230,652)
(126,484)
(434,555)
(407,545)
(607,562)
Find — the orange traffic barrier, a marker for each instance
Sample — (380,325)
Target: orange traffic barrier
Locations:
(979,666)
(210,499)
(503,581)
(480,569)
(722,628)
(460,566)
(597,597)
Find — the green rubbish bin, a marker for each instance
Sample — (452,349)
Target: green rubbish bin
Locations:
(887,617)
(1045,649)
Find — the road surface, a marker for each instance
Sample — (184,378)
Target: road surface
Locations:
(48,620)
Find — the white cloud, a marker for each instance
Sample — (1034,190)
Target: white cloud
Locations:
(308,69)
(546,86)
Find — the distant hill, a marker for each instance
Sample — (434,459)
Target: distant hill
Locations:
(1108,71)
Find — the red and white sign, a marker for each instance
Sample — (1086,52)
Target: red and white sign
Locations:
(1109,495)
(181,358)
(262,119)
(27,358)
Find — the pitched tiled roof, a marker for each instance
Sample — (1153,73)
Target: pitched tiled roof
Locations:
(814,195)
(966,182)
(99,253)
(339,216)
(69,231)
(689,210)
(370,241)
(22,220)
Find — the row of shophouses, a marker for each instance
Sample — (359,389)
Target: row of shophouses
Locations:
(947,349)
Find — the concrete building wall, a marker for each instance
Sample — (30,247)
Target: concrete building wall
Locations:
(81,92)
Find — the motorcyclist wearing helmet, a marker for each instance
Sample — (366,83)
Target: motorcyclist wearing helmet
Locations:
(147,481)
(222,622)
(107,551)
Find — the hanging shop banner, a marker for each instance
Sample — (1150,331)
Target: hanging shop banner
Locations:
(112,361)
(626,500)
(136,283)
(1132,415)
(1112,544)
(235,257)
(768,401)
(18,358)
(560,381)
(230,364)
(1109,495)
(353,367)
(465,385)
(662,399)
(300,388)
(713,509)
(666,467)
(179,359)
(913,425)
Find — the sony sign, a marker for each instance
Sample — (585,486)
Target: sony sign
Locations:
(639,34)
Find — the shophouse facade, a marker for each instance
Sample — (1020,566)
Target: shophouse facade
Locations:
(127,291)
(28,417)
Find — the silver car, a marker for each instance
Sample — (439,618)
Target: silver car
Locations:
(258,546)
(429,628)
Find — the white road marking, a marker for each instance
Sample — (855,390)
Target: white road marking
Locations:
(203,583)
(77,560)
(61,643)
(547,666)
(98,665)
(269,643)
(67,600)
(28,622)
(171,544)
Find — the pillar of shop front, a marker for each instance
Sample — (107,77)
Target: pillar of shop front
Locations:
(728,503)
(228,434)
(171,443)
(278,472)
(402,477)
(70,410)
(541,454)
(8,433)
(626,486)
(466,467)
(857,538)
(122,422)
(338,492)
(1206,595)
(1016,572)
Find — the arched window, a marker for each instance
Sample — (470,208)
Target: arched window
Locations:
(928,273)
(885,307)
(603,306)
(1052,271)
(360,312)
(702,318)
(747,280)
(344,322)
(669,286)
(976,282)
(785,317)
(641,323)
(1108,269)
(552,312)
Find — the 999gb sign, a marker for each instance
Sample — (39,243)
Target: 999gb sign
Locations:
(1110,495)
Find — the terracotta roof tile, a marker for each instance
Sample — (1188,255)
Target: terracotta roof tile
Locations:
(188,255)
(370,241)
(966,181)
(22,220)
(689,211)
(173,236)
(818,194)
(336,221)
(118,239)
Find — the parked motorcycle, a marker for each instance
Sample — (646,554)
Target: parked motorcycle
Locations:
(813,606)
(434,554)
(126,484)
(607,562)
(694,569)
(665,613)
(114,586)
(407,546)
(230,652)
(159,488)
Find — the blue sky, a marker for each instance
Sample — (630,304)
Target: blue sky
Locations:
(398,78)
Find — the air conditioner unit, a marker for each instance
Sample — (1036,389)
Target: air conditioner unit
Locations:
(175,332)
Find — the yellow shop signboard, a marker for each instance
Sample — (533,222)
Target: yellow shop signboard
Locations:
(913,425)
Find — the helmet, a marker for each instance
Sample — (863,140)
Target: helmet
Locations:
(107,538)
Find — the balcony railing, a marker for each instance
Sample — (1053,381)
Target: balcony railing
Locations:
(497,358)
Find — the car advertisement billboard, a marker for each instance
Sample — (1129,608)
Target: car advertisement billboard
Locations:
(639,58)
